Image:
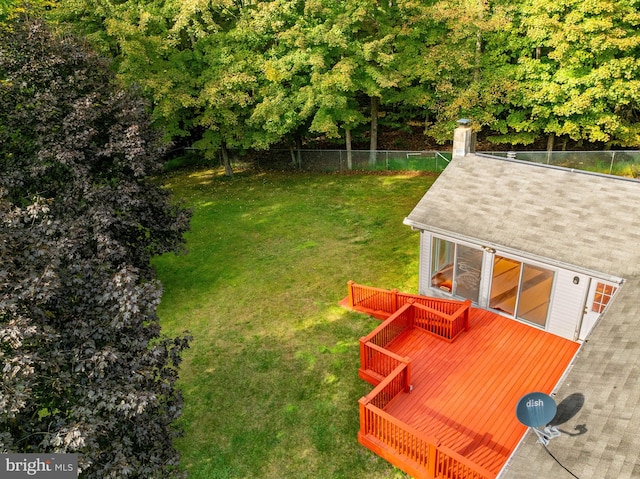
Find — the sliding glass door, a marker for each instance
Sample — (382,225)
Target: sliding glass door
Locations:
(521,290)
(504,284)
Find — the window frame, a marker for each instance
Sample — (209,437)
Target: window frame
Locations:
(602,298)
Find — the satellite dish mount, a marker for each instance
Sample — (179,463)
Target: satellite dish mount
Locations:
(536,410)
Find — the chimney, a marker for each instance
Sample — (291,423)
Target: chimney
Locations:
(464,139)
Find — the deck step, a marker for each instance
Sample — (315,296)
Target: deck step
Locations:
(370,376)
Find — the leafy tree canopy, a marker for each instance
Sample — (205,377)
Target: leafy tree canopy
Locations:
(248,74)
(578,72)
(85,368)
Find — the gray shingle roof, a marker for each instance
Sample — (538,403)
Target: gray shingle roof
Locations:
(601,440)
(590,221)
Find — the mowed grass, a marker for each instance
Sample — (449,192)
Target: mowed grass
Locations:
(271,381)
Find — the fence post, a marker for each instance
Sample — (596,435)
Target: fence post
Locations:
(363,357)
(350,284)
(613,158)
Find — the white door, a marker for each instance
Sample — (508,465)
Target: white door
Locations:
(600,293)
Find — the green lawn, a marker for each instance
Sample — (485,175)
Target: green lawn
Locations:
(271,381)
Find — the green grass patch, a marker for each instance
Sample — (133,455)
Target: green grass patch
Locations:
(271,381)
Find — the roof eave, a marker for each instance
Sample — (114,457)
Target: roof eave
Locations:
(486,244)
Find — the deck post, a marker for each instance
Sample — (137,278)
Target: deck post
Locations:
(363,364)
(407,386)
(350,284)
(411,313)
(467,313)
(394,296)
(431,465)
(363,400)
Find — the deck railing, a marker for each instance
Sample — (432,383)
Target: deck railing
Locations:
(376,362)
(446,326)
(423,456)
(395,383)
(373,299)
(385,300)
(451,465)
(421,451)
(443,317)
(445,306)
(398,322)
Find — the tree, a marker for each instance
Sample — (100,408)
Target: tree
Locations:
(86,369)
(248,74)
(5,9)
(465,69)
(189,59)
(284,101)
(579,73)
(33,8)
(346,54)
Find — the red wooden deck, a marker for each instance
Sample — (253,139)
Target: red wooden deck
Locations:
(465,392)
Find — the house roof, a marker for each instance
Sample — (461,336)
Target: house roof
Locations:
(586,220)
(598,404)
(589,221)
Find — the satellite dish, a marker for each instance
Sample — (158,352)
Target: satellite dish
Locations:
(536,409)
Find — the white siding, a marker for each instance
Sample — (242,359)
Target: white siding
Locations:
(567,303)
(567,298)
(485,279)
(425,260)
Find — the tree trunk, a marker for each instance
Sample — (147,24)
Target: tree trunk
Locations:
(550,142)
(373,146)
(228,171)
(295,148)
(299,151)
(347,134)
(293,154)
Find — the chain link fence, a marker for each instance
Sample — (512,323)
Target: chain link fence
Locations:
(358,160)
(620,163)
(614,162)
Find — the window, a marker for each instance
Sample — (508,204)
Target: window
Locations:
(442,264)
(521,290)
(467,272)
(604,293)
(456,268)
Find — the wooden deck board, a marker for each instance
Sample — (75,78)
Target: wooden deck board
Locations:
(465,393)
